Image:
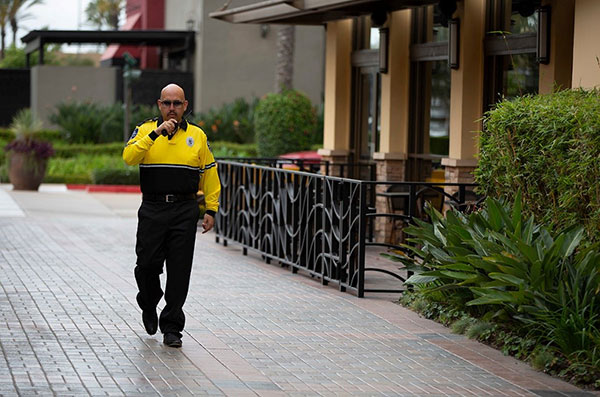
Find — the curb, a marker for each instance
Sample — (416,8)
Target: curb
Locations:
(105,188)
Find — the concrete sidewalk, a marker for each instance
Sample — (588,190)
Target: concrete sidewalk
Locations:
(70,324)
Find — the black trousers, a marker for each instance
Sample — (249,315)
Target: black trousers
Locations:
(166,234)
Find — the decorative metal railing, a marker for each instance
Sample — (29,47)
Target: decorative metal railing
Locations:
(312,222)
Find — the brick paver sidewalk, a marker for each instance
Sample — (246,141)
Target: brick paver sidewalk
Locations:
(70,326)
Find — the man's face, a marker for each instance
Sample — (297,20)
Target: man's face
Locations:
(172,104)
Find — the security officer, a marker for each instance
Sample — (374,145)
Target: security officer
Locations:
(175,162)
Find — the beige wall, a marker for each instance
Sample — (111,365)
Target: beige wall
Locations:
(337,88)
(466,93)
(560,68)
(51,85)
(234,60)
(395,91)
(586,51)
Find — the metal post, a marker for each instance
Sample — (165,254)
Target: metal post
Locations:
(126,98)
(362,216)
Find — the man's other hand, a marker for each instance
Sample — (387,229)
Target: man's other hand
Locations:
(208,223)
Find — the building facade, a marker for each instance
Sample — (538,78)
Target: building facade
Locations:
(407,82)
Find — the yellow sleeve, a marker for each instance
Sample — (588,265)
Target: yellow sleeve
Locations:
(138,144)
(209,181)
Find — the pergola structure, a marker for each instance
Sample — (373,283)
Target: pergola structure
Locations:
(172,39)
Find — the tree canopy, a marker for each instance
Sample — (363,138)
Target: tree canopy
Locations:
(103,13)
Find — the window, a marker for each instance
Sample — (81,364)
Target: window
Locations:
(366,87)
(430,93)
(510,47)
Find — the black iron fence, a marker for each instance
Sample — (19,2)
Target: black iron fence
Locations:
(363,171)
(317,223)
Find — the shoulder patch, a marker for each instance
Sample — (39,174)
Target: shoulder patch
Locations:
(134,133)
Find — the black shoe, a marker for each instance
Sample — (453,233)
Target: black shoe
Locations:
(172,339)
(150,320)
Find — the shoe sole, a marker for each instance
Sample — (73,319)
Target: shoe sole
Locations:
(174,344)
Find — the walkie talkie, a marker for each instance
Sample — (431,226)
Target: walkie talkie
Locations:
(164,130)
(165,133)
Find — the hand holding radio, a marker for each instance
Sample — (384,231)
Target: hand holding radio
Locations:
(168,128)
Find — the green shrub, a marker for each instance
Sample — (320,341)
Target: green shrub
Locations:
(461,325)
(542,359)
(284,123)
(87,122)
(548,146)
(116,176)
(232,122)
(478,329)
(498,265)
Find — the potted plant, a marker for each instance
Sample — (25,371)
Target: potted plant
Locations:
(27,156)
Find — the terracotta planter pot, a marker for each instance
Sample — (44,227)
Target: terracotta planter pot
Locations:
(26,172)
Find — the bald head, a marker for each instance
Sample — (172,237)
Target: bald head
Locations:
(172,89)
(172,103)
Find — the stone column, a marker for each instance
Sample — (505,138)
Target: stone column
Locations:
(390,167)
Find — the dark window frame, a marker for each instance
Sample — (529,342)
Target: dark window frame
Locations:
(422,54)
(364,61)
(497,46)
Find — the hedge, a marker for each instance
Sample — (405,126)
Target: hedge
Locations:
(65,150)
(548,146)
(284,123)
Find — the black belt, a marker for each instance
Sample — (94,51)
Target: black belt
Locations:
(168,198)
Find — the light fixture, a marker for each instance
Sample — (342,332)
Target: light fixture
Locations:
(453,43)
(543,35)
(383,49)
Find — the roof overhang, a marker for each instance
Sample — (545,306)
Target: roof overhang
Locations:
(159,38)
(311,12)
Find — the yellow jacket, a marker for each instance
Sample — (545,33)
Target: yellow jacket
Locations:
(181,165)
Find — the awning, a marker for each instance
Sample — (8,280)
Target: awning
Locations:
(311,12)
(36,39)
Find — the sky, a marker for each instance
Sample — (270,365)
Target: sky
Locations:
(56,15)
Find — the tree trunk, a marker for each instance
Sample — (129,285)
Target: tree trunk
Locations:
(2,39)
(284,72)
(14,26)
(113,20)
